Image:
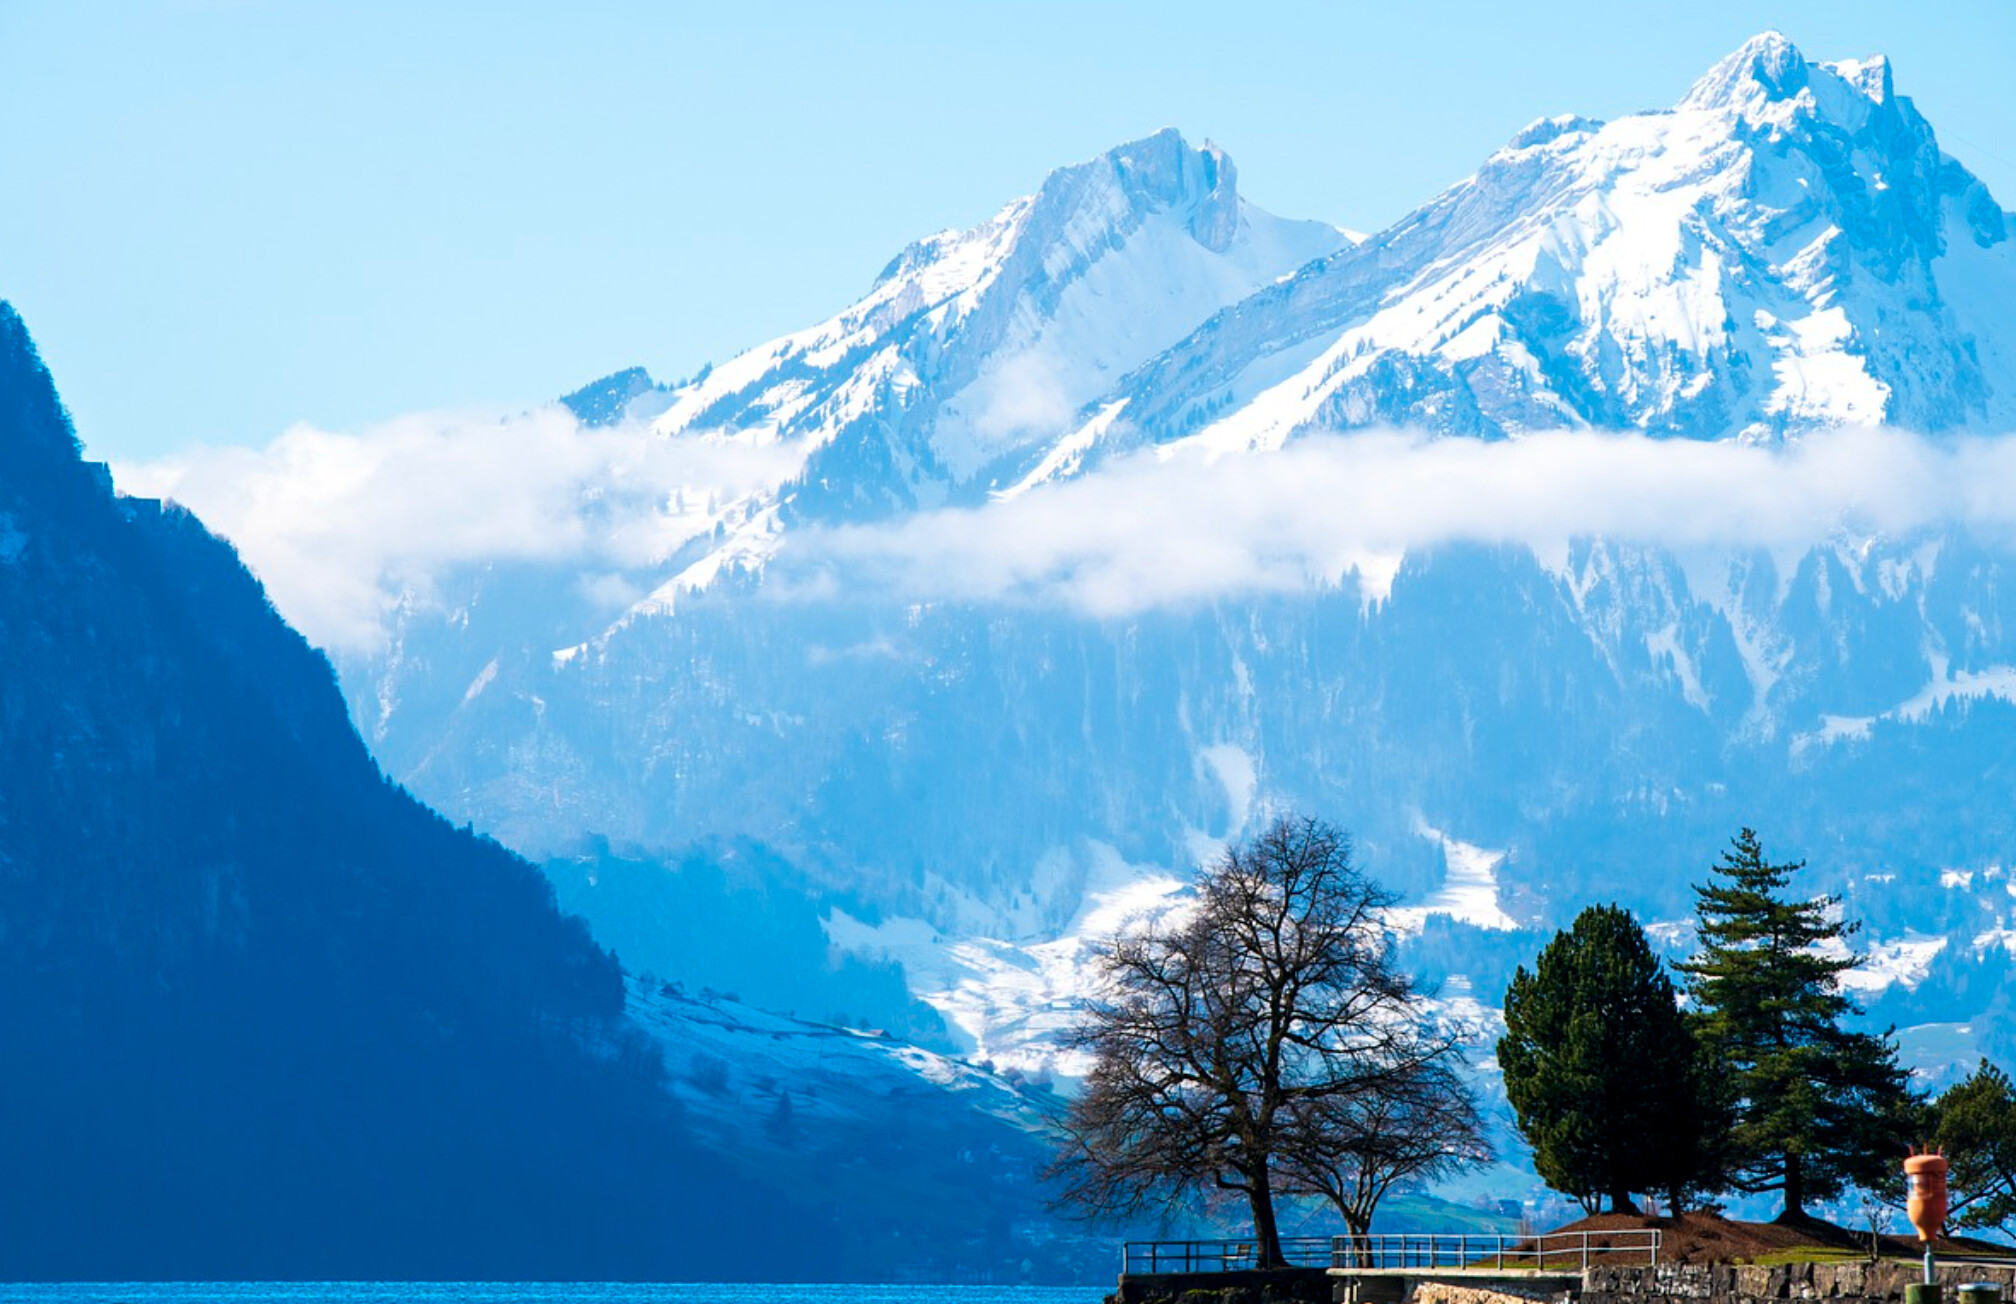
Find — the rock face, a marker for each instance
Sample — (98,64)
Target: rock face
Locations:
(973,788)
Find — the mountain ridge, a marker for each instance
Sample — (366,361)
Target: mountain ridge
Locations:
(1785,250)
(1769,146)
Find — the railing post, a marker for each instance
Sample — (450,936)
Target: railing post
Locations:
(1585,1252)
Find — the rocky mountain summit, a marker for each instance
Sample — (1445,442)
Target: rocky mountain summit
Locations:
(1786,249)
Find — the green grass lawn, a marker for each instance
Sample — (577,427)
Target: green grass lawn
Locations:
(1815,1254)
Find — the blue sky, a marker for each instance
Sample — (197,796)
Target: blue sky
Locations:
(225,216)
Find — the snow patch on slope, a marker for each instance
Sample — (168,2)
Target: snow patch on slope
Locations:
(1898,961)
(724,1057)
(1012,998)
(1235,771)
(1469,889)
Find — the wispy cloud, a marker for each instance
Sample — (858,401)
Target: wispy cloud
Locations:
(1157,530)
(339,525)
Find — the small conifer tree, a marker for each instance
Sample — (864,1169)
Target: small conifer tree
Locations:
(1974,1121)
(1602,1070)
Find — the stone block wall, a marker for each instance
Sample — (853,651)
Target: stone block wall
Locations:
(1848,1283)
(1285,1286)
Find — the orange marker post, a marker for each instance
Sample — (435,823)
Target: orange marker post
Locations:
(1925,1182)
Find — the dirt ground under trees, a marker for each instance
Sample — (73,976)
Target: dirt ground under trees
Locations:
(1708,1238)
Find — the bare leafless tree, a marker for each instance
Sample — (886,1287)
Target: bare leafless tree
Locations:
(1353,1149)
(1232,1038)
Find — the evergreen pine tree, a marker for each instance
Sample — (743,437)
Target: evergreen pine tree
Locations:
(1601,1067)
(1816,1105)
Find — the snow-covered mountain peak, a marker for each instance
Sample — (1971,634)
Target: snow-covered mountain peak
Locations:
(1546,131)
(974,349)
(969,357)
(1870,78)
(1163,172)
(1769,84)
(1766,68)
(1109,194)
(1785,249)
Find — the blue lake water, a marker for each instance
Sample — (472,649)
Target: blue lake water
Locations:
(460,1292)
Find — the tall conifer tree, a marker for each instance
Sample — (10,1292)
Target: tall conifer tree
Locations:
(1816,1105)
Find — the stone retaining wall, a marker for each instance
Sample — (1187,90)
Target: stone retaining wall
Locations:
(1282,1286)
(1876,1283)
(1498,1292)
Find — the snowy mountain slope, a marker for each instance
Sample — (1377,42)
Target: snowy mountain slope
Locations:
(975,348)
(1507,738)
(944,1154)
(732,1062)
(959,369)
(1785,249)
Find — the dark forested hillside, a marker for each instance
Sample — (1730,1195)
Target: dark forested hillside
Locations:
(261,1013)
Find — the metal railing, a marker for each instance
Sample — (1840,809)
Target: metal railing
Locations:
(1554,1252)
(1404,1252)
(1222,1256)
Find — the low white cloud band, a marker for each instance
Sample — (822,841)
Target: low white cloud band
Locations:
(1151,531)
(340,525)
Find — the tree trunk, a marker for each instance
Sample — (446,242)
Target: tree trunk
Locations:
(1795,1190)
(1360,1227)
(1261,1195)
(1621,1202)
